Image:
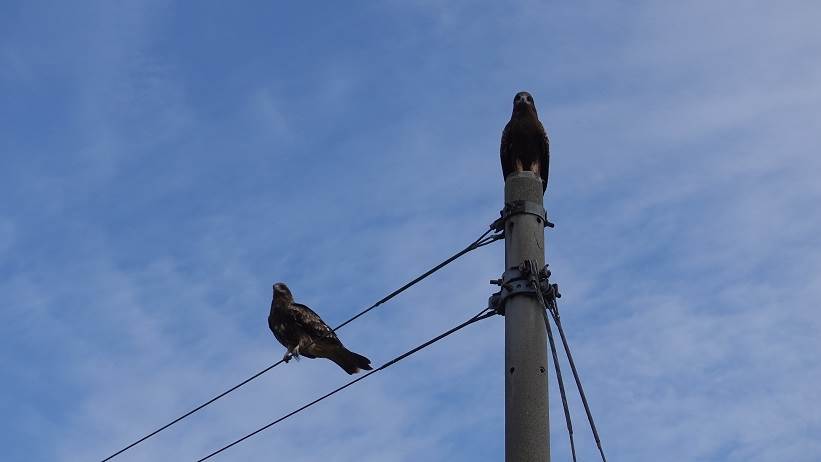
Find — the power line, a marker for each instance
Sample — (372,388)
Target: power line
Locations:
(484,314)
(553,308)
(567,419)
(481,241)
(194,410)
(556,319)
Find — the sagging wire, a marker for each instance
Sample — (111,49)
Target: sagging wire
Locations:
(484,314)
(481,241)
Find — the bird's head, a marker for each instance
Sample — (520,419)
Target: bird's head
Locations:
(282,291)
(523,101)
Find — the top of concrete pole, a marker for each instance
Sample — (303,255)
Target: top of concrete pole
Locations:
(524,186)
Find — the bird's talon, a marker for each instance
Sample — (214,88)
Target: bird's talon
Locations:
(295,325)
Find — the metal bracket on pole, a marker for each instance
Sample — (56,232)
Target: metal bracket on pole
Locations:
(513,282)
(549,291)
(518,281)
(518,207)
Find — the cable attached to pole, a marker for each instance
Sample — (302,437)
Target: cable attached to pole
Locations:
(562,392)
(554,311)
(561,385)
(481,241)
(484,314)
(551,306)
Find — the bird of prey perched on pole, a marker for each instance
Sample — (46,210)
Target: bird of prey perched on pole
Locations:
(525,146)
(303,332)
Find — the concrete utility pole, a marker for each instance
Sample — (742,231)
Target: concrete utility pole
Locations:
(526,413)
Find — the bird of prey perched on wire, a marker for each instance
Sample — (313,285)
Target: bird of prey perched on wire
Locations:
(525,146)
(303,332)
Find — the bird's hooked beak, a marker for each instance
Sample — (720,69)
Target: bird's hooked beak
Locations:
(523,99)
(281,289)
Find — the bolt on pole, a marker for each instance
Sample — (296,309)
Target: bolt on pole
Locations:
(527,436)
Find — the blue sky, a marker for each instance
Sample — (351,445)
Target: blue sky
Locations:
(164,164)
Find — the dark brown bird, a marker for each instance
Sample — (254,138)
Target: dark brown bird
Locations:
(525,146)
(303,332)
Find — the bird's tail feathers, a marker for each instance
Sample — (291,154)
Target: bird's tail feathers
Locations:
(351,362)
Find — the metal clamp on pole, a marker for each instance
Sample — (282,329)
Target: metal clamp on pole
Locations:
(519,281)
(518,207)
(513,282)
(549,291)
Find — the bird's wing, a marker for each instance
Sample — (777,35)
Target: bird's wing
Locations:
(311,323)
(545,167)
(504,152)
